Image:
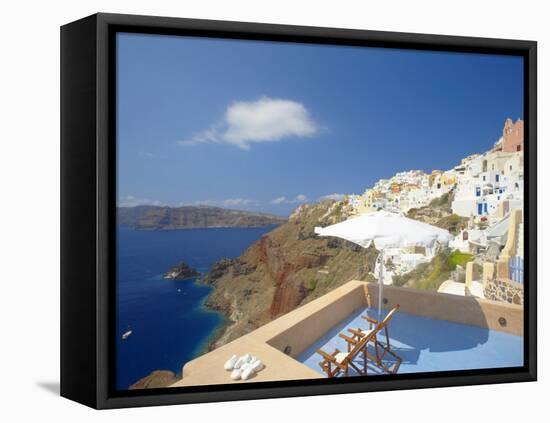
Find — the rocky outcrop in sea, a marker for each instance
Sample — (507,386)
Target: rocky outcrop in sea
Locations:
(181,271)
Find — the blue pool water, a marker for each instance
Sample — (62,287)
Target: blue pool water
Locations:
(427,345)
(169,323)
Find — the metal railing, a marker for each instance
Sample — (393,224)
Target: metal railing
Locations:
(516,269)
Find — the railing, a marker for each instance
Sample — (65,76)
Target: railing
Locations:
(516,269)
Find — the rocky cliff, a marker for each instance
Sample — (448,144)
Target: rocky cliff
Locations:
(439,213)
(187,217)
(156,379)
(286,268)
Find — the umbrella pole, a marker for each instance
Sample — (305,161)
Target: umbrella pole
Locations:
(380,283)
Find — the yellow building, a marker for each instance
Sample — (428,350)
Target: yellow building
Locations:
(395,187)
(439,179)
(366,201)
(434,177)
(448,179)
(502,162)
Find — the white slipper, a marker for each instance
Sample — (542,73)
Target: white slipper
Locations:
(247,373)
(230,364)
(236,374)
(257,366)
(240,361)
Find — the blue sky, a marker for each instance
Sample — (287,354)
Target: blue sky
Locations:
(266,126)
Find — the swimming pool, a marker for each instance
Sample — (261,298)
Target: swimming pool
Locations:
(427,345)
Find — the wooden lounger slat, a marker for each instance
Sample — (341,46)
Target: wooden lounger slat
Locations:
(370,319)
(357,332)
(348,339)
(326,356)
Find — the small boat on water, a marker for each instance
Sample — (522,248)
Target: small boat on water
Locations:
(126,334)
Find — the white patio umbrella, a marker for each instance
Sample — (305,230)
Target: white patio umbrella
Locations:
(386,230)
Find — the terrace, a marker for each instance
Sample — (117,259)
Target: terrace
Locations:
(431,332)
(426,345)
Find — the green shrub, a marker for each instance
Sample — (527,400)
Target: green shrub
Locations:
(428,276)
(440,201)
(458,258)
(312,284)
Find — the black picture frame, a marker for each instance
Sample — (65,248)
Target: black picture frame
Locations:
(88,207)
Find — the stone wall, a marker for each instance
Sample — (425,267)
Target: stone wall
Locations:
(504,290)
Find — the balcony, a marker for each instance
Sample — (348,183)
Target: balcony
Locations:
(432,331)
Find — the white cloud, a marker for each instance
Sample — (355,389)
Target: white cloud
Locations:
(264,120)
(132,201)
(335,196)
(300,198)
(208,135)
(279,200)
(229,202)
(238,202)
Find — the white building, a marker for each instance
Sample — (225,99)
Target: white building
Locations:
(488,184)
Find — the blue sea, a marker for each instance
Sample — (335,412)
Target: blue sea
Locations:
(169,322)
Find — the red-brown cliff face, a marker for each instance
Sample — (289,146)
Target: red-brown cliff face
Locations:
(286,268)
(156,379)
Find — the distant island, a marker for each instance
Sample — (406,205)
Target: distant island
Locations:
(155,218)
(181,271)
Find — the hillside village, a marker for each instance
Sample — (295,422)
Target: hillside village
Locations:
(480,201)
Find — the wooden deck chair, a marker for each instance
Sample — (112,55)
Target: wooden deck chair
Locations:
(385,346)
(335,363)
(341,362)
(362,338)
